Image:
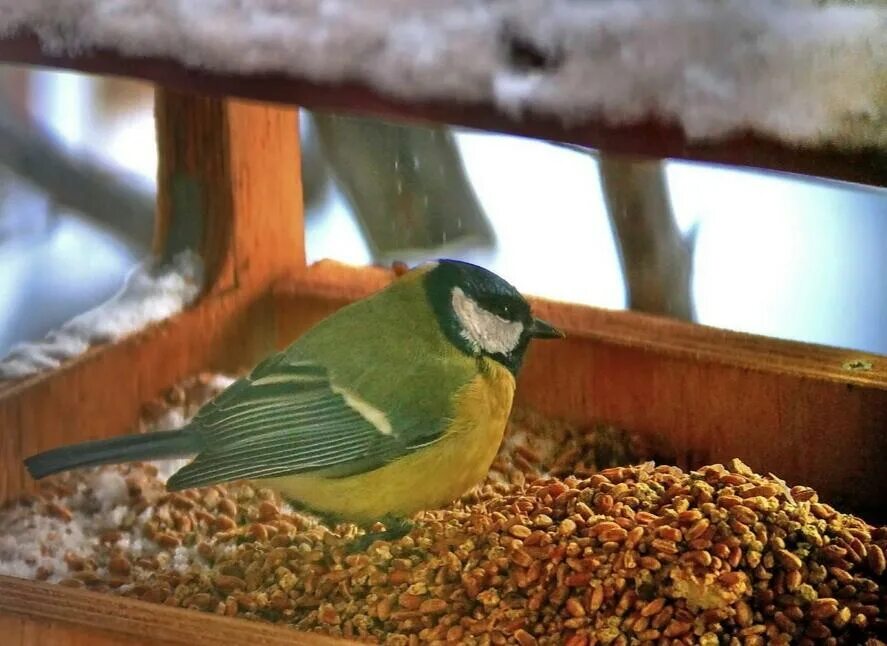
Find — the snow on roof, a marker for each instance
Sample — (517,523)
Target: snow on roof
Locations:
(803,71)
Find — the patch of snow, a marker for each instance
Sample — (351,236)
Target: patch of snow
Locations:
(32,540)
(150,294)
(166,468)
(805,71)
(111,490)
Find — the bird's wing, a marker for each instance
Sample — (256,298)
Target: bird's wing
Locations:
(288,417)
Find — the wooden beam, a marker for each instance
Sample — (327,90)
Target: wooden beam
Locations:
(229,186)
(43,613)
(20,630)
(648,138)
(232,167)
(811,414)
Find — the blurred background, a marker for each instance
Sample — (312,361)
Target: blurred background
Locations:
(755,252)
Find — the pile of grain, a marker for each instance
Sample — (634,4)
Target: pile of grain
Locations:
(535,446)
(639,554)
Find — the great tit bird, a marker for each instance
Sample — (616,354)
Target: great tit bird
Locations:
(391,405)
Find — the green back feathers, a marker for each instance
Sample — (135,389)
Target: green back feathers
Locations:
(415,368)
(372,383)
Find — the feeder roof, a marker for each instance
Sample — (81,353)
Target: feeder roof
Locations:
(646,76)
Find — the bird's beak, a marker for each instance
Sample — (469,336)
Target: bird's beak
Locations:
(542,330)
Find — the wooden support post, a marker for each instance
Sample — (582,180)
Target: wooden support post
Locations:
(231,167)
(220,159)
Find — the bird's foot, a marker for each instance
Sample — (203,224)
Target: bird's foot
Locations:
(394,528)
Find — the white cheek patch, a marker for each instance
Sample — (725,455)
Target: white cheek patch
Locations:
(484,330)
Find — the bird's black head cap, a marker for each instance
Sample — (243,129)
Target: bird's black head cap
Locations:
(482,314)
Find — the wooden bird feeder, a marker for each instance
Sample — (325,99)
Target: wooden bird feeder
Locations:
(795,409)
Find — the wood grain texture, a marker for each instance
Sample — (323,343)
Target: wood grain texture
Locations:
(34,613)
(698,394)
(18,630)
(229,186)
(241,161)
(650,138)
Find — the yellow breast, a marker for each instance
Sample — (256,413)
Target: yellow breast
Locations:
(430,477)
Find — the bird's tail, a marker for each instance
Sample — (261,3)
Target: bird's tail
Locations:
(128,448)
